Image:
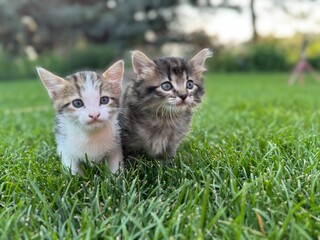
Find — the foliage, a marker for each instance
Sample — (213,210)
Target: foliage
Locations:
(47,25)
(315,62)
(249,169)
(313,53)
(267,55)
(59,25)
(95,57)
(16,68)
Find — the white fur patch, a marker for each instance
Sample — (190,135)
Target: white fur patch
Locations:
(76,144)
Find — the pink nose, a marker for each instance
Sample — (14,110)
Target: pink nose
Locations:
(94,116)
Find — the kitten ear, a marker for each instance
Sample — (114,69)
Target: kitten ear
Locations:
(141,64)
(114,75)
(199,59)
(115,72)
(52,82)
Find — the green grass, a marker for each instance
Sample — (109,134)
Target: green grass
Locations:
(249,169)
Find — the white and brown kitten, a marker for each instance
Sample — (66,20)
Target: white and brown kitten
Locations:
(87,107)
(157,105)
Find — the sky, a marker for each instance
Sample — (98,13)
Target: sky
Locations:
(232,27)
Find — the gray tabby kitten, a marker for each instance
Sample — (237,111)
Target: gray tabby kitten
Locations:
(87,107)
(157,105)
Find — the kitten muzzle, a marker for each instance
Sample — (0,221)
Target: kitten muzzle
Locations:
(183,96)
(94,121)
(94,116)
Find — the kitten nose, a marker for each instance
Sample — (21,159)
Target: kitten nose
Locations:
(183,96)
(94,116)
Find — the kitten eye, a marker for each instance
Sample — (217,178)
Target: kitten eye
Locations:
(190,84)
(104,100)
(166,86)
(77,103)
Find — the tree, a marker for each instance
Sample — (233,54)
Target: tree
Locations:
(286,7)
(253,21)
(60,24)
(223,4)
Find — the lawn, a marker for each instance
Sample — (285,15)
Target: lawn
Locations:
(249,169)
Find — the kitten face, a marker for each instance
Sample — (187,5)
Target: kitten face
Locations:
(86,99)
(92,104)
(170,83)
(177,86)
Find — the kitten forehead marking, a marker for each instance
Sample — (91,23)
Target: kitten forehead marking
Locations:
(90,84)
(172,67)
(91,81)
(76,84)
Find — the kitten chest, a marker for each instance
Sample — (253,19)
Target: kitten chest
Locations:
(161,137)
(95,145)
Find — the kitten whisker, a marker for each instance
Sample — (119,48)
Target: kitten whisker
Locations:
(157,111)
(172,113)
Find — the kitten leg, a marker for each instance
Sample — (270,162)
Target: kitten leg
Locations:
(73,165)
(115,159)
(166,155)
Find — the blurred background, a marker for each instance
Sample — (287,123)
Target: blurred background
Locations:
(69,35)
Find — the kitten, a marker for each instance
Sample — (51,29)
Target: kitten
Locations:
(157,105)
(87,107)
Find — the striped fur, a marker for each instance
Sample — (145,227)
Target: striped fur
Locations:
(154,120)
(90,131)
